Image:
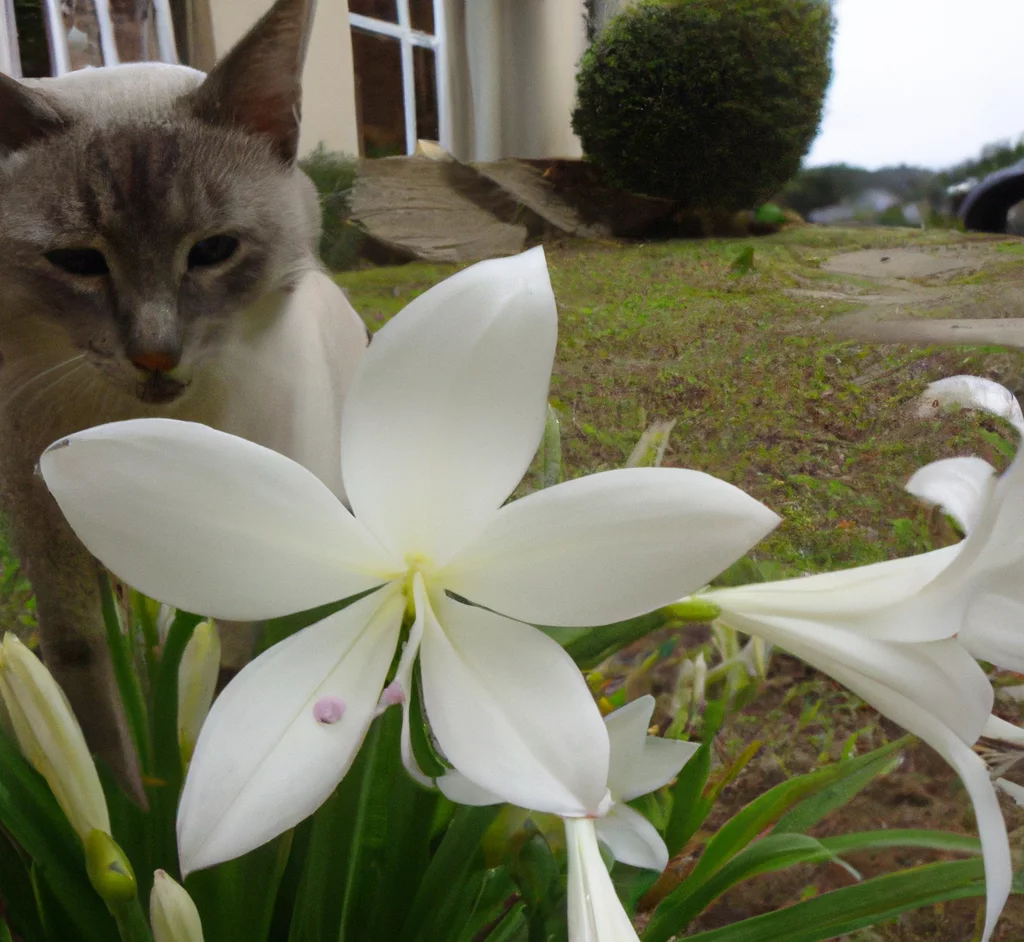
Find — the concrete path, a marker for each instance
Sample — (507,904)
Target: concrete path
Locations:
(909,299)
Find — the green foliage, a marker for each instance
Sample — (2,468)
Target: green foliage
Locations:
(815,187)
(333,175)
(709,103)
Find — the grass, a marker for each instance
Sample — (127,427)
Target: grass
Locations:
(817,429)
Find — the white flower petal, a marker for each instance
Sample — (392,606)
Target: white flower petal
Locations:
(971,392)
(996,728)
(994,629)
(608,546)
(207,522)
(511,710)
(263,761)
(641,763)
(456,787)
(939,676)
(627,729)
(660,762)
(935,690)
(404,680)
(595,913)
(996,539)
(960,486)
(969,766)
(447,408)
(1015,791)
(632,839)
(883,600)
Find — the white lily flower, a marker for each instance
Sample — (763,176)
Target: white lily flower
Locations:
(197,682)
(50,738)
(172,913)
(971,392)
(639,764)
(595,912)
(440,423)
(901,634)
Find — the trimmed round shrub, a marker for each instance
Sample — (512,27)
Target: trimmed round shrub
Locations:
(709,102)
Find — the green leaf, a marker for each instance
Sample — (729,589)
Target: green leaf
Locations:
(163,793)
(236,899)
(17,899)
(676,910)
(768,808)
(854,907)
(121,656)
(30,815)
(866,769)
(277,629)
(549,456)
(435,907)
(588,647)
(688,810)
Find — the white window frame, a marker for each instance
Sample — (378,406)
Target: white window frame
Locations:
(10,58)
(60,58)
(409,37)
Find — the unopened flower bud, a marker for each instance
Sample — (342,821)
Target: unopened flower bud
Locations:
(172,913)
(109,870)
(197,682)
(693,609)
(50,738)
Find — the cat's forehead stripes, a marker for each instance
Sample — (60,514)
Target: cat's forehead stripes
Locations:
(131,174)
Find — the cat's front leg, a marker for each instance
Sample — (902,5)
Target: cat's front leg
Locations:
(65,578)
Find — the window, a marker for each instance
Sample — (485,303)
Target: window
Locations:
(58,36)
(398,56)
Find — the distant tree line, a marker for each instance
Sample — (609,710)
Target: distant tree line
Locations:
(816,187)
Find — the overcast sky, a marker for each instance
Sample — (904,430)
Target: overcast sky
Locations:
(924,82)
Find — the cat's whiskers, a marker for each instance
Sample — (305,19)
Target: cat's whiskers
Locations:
(10,397)
(60,379)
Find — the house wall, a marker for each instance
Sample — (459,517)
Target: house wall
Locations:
(328,102)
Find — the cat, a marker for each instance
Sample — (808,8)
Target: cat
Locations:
(158,259)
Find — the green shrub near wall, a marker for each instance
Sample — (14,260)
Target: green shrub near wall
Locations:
(709,102)
(333,175)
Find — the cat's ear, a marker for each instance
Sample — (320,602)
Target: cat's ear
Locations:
(25,116)
(258,85)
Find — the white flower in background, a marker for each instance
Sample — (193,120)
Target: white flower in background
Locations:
(638,764)
(440,423)
(197,682)
(903,634)
(970,392)
(172,913)
(50,738)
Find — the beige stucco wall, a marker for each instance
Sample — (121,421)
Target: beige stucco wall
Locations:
(328,100)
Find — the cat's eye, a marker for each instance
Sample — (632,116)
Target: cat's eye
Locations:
(212,251)
(87,263)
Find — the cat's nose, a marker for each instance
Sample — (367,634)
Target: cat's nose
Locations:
(156,361)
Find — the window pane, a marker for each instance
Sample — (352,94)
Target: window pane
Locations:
(134,30)
(381,114)
(378,9)
(426,93)
(32,40)
(82,29)
(421,13)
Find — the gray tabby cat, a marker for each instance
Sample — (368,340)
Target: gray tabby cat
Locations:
(157,259)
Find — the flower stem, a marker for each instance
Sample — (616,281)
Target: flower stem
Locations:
(131,922)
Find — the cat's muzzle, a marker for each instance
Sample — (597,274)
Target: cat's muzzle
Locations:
(160,388)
